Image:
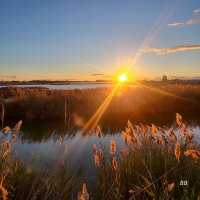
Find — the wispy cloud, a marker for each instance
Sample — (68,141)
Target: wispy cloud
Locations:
(107,76)
(189,22)
(171,49)
(175,24)
(97,74)
(196,12)
(193,21)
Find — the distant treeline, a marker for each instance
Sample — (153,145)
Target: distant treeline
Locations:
(172,81)
(65,82)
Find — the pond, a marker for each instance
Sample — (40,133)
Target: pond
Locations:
(70,86)
(39,146)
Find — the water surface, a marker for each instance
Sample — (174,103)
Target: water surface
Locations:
(39,146)
(65,87)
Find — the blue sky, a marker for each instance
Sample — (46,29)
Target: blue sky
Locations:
(92,39)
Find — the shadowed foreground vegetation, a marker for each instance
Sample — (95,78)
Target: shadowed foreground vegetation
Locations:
(156,163)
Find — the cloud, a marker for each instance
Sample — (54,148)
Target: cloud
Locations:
(196,12)
(189,22)
(171,49)
(175,24)
(193,21)
(97,74)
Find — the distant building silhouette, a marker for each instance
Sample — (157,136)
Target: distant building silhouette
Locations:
(164,79)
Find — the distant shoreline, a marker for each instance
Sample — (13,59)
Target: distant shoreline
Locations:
(145,82)
(7,83)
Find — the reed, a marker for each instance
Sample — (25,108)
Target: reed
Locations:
(16,182)
(35,103)
(153,167)
(150,165)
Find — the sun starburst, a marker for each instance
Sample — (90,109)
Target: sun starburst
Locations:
(122,78)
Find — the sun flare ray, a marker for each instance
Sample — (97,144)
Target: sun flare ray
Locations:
(93,121)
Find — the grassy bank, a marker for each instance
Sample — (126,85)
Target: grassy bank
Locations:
(131,102)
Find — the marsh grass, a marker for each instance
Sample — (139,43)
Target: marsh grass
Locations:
(46,184)
(18,182)
(150,169)
(131,102)
(151,165)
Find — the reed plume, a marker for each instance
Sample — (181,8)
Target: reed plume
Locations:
(95,152)
(127,138)
(101,154)
(5,130)
(171,187)
(60,141)
(17,127)
(129,134)
(179,119)
(83,195)
(98,131)
(96,160)
(114,163)
(177,151)
(96,156)
(194,153)
(154,130)
(112,146)
(4,192)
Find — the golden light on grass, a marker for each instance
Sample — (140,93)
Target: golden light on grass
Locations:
(122,78)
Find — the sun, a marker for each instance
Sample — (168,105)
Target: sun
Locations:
(122,78)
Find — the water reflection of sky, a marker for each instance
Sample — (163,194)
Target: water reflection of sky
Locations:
(38,147)
(67,86)
(38,154)
(75,150)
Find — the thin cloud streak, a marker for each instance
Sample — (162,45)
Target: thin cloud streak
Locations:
(196,12)
(193,21)
(97,74)
(175,24)
(189,22)
(171,49)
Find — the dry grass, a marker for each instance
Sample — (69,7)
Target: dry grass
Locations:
(18,183)
(152,165)
(5,151)
(128,103)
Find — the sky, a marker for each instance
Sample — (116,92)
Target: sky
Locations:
(91,39)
